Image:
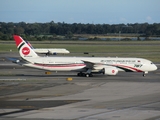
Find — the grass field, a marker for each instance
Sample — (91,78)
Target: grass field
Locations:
(143,49)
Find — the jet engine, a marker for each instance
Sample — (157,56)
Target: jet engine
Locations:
(110,71)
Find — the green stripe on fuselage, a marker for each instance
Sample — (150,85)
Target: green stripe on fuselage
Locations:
(20,46)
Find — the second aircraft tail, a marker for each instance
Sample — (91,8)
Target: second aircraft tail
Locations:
(29,44)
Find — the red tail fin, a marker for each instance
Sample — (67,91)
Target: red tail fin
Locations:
(17,39)
(24,49)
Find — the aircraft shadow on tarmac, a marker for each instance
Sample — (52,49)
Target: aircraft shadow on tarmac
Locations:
(129,77)
(24,106)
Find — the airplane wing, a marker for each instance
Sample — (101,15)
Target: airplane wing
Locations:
(101,68)
(93,66)
(89,65)
(14,60)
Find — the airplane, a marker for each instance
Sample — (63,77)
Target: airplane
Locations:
(49,51)
(84,66)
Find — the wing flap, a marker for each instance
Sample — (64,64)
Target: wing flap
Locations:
(93,66)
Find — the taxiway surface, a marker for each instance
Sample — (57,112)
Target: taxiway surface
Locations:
(27,93)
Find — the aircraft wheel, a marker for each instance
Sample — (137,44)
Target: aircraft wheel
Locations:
(81,74)
(78,74)
(90,75)
(87,75)
(144,73)
(84,74)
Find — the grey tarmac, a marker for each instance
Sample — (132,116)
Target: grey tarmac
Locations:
(27,93)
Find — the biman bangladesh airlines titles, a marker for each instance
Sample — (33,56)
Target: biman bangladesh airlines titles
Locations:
(84,66)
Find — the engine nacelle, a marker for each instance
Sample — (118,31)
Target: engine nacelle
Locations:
(110,71)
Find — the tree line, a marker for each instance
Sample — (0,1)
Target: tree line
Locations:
(50,30)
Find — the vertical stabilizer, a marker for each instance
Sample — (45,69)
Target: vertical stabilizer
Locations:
(24,49)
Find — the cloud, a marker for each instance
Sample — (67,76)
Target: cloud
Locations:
(148,18)
(122,19)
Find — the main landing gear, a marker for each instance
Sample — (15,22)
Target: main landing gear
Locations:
(84,74)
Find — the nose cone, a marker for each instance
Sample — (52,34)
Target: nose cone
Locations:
(154,67)
(67,51)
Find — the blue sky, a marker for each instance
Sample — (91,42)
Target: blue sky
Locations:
(80,11)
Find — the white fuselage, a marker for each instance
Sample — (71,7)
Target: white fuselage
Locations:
(51,51)
(89,65)
(77,63)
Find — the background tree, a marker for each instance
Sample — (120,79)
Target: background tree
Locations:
(38,30)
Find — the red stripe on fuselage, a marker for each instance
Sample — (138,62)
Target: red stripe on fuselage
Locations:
(61,66)
(128,67)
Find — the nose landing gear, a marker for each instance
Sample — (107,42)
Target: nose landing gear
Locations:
(144,73)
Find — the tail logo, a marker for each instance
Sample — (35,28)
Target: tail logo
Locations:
(25,51)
